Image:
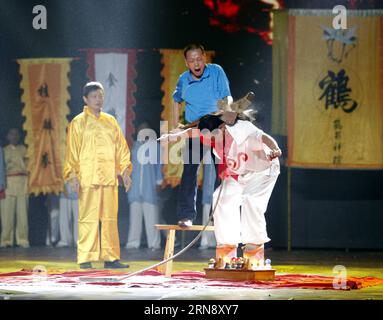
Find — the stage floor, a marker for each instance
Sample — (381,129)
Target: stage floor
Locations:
(319,262)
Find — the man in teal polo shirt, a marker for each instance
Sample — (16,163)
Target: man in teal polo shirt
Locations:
(200,87)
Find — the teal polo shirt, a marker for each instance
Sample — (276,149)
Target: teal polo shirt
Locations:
(201,95)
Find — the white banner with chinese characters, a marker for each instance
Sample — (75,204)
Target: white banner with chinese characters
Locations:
(115,70)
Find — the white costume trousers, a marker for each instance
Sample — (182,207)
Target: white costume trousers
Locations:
(240,213)
(68,222)
(148,212)
(207,238)
(53,234)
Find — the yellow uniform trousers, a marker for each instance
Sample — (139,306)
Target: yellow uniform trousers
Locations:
(97,224)
(14,211)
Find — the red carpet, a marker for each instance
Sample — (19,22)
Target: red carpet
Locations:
(154,279)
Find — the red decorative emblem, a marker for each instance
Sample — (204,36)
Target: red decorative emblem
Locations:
(233,164)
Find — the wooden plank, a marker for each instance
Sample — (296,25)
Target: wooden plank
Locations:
(169,251)
(178,228)
(240,275)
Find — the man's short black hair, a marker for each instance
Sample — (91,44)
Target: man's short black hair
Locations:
(92,86)
(193,46)
(210,122)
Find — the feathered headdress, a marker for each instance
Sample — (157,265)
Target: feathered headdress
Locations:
(240,106)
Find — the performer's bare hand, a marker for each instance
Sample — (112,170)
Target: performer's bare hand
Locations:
(75,185)
(275,153)
(127,180)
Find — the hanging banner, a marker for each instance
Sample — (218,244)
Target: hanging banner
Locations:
(334,91)
(173,62)
(115,70)
(45,96)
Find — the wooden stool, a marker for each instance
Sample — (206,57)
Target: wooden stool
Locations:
(169,247)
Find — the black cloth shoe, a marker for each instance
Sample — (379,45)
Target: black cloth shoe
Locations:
(116,264)
(86,265)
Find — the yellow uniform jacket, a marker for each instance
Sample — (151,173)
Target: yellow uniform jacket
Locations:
(15,159)
(96,150)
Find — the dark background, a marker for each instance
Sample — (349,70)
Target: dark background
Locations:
(330,208)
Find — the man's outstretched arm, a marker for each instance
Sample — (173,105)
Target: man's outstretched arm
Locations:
(175,114)
(71,163)
(124,163)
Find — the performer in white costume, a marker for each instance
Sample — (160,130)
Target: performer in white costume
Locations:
(249,171)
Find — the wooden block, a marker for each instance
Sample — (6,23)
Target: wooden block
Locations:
(240,275)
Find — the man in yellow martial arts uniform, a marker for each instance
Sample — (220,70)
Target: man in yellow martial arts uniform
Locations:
(96,153)
(15,205)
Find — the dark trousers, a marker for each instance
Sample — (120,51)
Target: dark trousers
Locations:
(187,192)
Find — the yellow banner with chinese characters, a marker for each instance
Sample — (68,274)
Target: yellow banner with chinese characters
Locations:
(45,96)
(335,102)
(173,63)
